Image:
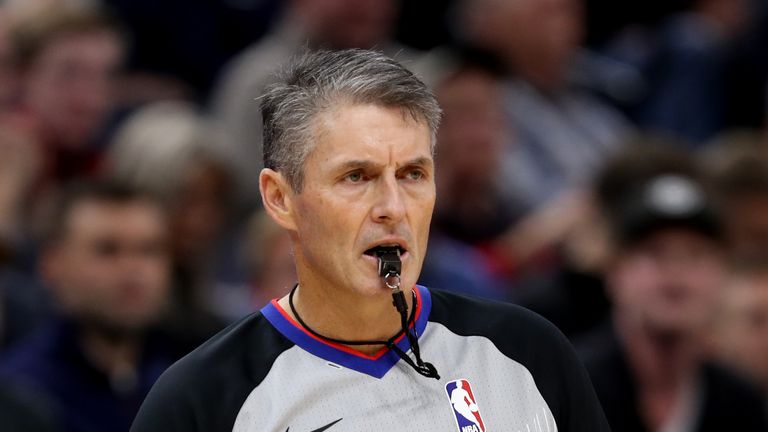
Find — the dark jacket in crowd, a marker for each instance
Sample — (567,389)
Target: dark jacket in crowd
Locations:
(82,398)
(727,403)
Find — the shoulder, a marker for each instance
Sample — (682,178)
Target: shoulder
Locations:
(37,359)
(506,325)
(518,333)
(205,389)
(534,342)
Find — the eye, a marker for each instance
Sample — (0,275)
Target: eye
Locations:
(415,174)
(354,177)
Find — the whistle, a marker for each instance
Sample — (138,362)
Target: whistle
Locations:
(389,262)
(390,267)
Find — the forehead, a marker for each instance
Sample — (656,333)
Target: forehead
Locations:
(91,218)
(92,45)
(364,131)
(676,237)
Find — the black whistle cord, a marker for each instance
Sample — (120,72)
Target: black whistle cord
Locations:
(423,368)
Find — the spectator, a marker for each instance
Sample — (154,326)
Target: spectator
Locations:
(562,135)
(168,149)
(106,262)
(740,337)
(23,302)
(471,139)
(505,252)
(668,266)
(67,59)
(333,24)
(469,208)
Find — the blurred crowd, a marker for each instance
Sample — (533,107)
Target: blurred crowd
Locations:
(602,163)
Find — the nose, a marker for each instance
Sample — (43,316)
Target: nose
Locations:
(389,207)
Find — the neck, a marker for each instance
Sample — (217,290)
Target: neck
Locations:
(665,364)
(348,317)
(115,355)
(664,358)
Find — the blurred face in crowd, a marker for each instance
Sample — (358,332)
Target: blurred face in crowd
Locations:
(68,87)
(111,267)
(741,333)
(368,181)
(472,130)
(667,282)
(350,23)
(539,37)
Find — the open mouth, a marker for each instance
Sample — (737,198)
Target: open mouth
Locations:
(377,251)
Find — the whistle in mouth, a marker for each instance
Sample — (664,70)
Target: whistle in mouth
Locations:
(390,267)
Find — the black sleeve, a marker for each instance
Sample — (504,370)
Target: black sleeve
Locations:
(539,346)
(566,386)
(205,390)
(170,405)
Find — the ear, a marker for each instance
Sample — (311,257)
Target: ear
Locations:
(277,197)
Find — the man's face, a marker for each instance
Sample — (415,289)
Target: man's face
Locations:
(472,130)
(540,36)
(368,181)
(669,281)
(111,268)
(69,86)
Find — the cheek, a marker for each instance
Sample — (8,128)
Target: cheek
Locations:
(329,218)
(80,285)
(426,218)
(97,277)
(157,273)
(322,232)
(47,93)
(422,200)
(635,281)
(708,279)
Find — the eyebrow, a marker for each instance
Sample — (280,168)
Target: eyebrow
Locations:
(420,161)
(369,165)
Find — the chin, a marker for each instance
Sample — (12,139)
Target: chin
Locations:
(667,326)
(370,288)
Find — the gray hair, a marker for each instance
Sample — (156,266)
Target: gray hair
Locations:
(316,81)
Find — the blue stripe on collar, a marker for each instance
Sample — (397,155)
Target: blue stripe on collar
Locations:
(376,365)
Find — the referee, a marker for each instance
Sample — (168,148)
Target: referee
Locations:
(357,345)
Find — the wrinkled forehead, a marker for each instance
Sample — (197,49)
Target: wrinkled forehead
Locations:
(93,218)
(352,130)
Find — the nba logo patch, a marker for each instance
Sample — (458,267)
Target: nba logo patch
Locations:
(464,404)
